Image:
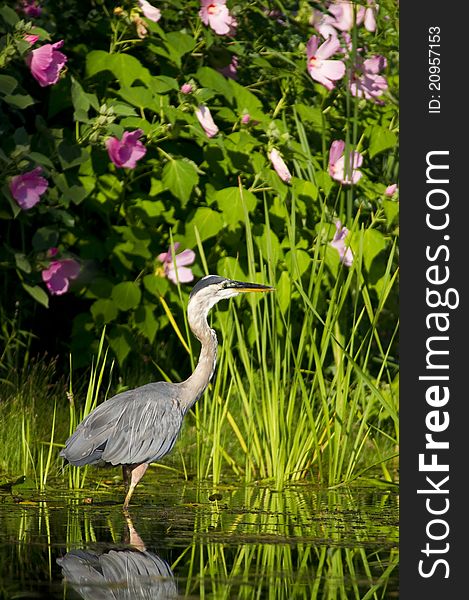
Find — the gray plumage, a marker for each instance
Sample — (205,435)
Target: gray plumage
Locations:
(118,574)
(137,426)
(140,426)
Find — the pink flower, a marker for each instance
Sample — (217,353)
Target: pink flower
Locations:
(179,271)
(46,62)
(31,39)
(206,120)
(151,12)
(346,14)
(338,242)
(217,16)
(366,81)
(186,88)
(370,16)
(343,16)
(30,8)
(27,188)
(323,23)
(391,190)
(58,274)
(337,168)
(245,119)
(127,151)
(279,165)
(231,70)
(322,70)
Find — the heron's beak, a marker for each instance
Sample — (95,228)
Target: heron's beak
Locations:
(241,286)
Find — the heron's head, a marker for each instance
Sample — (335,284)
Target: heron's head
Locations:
(212,288)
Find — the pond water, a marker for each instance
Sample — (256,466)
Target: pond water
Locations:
(183,540)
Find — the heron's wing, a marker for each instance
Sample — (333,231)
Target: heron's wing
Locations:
(146,430)
(137,426)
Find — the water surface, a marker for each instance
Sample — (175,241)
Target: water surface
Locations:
(185,540)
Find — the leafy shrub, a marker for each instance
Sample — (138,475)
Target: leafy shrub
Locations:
(92,238)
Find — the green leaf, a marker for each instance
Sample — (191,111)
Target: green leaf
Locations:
(22,262)
(180,177)
(19,100)
(373,244)
(37,293)
(208,223)
(126,295)
(120,340)
(312,115)
(163,84)
(41,159)
(233,203)
(180,43)
(146,322)
(80,101)
(157,286)
(45,238)
(124,67)
(297,262)
(104,311)
(7,84)
(8,15)
(283,293)
(230,267)
(138,95)
(71,155)
(381,139)
(305,188)
(246,101)
(391,210)
(212,79)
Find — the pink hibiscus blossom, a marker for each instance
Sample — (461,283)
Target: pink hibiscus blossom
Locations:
(366,82)
(30,8)
(279,165)
(216,15)
(46,62)
(58,274)
(370,16)
(346,14)
(127,151)
(206,120)
(337,167)
(150,12)
(391,190)
(338,242)
(28,188)
(322,70)
(343,16)
(179,271)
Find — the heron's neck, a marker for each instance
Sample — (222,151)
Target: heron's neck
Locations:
(194,386)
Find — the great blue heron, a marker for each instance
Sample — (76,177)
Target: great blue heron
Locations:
(121,571)
(140,426)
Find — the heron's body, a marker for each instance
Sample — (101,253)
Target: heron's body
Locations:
(134,427)
(140,426)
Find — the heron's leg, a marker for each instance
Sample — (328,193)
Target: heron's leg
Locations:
(126,473)
(137,473)
(134,539)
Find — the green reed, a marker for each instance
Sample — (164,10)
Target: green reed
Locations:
(297,399)
(290,545)
(94,391)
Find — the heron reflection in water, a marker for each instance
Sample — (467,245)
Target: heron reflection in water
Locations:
(140,426)
(131,573)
